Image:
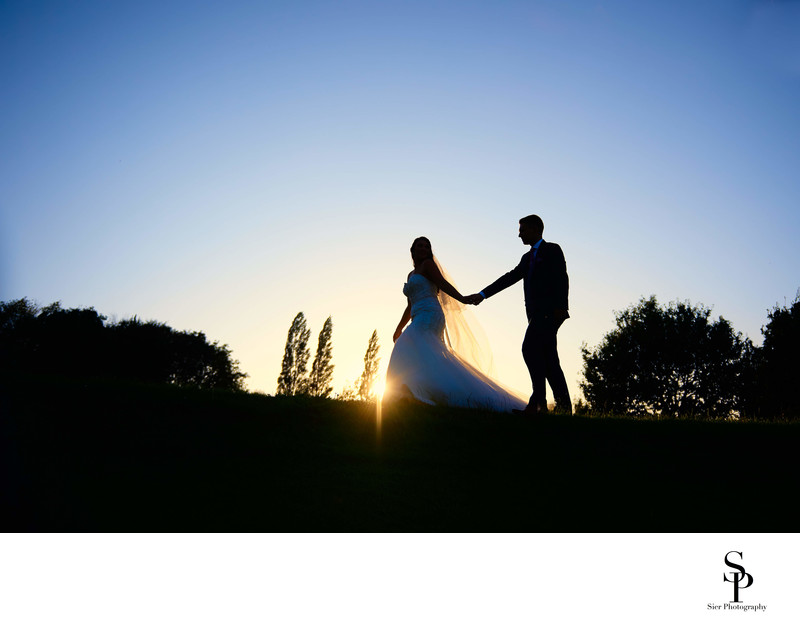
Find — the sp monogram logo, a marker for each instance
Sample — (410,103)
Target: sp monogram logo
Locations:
(738,576)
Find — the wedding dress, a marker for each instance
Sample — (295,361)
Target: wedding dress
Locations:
(425,366)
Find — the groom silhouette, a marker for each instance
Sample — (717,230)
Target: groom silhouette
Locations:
(546,285)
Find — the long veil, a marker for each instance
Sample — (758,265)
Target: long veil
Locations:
(463,334)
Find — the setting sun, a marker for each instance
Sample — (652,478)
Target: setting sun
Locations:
(379,389)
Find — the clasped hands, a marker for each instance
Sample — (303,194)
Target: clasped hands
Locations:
(473,299)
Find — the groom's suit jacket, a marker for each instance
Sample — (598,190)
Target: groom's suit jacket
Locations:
(545,281)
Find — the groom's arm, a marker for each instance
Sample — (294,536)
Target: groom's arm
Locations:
(506,280)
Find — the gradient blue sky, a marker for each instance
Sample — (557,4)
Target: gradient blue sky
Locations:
(220,166)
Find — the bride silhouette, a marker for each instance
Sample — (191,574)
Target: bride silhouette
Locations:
(437,358)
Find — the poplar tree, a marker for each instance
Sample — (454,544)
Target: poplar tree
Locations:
(292,380)
(319,381)
(371,362)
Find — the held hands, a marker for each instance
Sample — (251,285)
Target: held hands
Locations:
(473,299)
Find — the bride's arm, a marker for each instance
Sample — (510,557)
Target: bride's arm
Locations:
(403,321)
(431,271)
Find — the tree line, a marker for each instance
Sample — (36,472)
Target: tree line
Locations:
(669,360)
(82,343)
(673,360)
(296,380)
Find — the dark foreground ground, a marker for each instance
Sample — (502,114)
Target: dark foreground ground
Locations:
(99,456)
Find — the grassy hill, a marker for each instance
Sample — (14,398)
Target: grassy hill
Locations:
(109,456)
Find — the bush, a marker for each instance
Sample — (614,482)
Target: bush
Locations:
(78,342)
(779,368)
(669,360)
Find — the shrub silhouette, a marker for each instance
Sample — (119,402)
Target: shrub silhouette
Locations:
(78,342)
(670,360)
(778,370)
(71,341)
(18,334)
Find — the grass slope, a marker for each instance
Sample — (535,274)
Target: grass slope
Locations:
(103,456)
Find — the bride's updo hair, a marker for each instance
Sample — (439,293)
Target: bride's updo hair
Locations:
(414,247)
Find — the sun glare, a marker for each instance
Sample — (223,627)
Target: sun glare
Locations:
(379,389)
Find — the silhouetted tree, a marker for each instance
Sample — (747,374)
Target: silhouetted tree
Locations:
(15,314)
(292,380)
(77,342)
(144,350)
(779,365)
(18,334)
(319,380)
(152,351)
(669,360)
(205,364)
(371,363)
(52,340)
(71,341)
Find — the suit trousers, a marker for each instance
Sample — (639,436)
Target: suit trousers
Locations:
(540,351)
